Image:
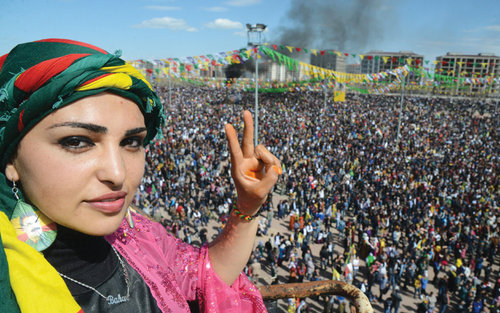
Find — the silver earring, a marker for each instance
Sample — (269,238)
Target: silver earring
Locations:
(31,225)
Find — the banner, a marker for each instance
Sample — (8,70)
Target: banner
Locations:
(339,96)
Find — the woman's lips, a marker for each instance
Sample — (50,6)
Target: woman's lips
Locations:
(109,203)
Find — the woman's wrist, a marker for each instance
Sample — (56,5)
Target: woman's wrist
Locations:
(241,214)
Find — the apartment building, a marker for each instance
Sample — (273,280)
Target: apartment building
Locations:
(470,74)
(379,61)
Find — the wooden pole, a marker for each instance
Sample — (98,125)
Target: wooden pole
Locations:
(317,288)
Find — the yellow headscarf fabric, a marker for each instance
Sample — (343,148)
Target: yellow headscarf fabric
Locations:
(28,268)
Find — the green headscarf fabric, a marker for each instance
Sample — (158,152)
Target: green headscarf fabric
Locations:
(39,77)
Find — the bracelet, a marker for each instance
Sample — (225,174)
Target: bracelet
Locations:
(242,216)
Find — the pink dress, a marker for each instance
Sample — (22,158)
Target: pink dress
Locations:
(177,272)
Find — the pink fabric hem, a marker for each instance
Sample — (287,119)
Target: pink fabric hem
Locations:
(177,272)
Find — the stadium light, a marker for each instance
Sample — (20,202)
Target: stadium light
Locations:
(255,40)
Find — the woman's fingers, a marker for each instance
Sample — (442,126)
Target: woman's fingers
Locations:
(267,182)
(249,167)
(247,142)
(269,160)
(255,164)
(234,145)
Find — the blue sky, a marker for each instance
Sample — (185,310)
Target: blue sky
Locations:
(155,29)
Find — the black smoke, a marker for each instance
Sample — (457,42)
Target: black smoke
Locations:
(245,69)
(350,26)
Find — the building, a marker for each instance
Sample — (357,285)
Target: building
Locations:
(470,74)
(353,68)
(329,61)
(379,61)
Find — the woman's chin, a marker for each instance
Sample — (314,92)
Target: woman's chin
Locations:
(101,228)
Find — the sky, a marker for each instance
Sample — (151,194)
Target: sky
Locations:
(159,29)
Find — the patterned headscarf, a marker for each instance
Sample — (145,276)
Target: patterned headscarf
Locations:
(37,78)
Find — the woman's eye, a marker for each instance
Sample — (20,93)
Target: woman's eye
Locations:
(134,142)
(76,142)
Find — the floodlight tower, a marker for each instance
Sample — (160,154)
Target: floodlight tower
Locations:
(254,33)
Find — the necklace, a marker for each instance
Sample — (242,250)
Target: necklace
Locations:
(111,300)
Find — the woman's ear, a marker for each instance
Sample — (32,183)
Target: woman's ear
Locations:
(11,172)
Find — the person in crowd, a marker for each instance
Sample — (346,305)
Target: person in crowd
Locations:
(396,299)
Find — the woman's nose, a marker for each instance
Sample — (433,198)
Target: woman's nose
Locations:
(112,166)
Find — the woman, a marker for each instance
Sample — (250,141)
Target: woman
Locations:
(74,121)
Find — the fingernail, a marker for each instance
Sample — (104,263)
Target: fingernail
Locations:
(251,174)
(277,169)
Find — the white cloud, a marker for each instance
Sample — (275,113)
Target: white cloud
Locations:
(465,45)
(224,23)
(240,34)
(167,22)
(474,30)
(495,28)
(242,3)
(162,8)
(216,9)
(486,44)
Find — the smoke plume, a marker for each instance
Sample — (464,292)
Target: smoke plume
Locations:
(240,70)
(335,24)
(246,70)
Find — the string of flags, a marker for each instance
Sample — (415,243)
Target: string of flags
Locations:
(315,77)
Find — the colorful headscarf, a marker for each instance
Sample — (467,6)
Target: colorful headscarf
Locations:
(37,78)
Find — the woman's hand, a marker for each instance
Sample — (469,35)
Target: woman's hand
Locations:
(254,170)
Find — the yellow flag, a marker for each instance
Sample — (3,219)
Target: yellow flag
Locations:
(339,96)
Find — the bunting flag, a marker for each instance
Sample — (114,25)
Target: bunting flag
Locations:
(312,84)
(396,60)
(189,69)
(204,62)
(339,96)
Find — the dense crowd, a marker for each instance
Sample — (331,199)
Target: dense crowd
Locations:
(389,213)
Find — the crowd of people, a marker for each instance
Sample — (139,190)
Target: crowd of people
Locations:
(394,204)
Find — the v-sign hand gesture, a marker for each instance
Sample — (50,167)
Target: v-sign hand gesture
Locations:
(254,170)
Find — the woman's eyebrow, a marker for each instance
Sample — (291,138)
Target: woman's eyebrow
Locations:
(134,131)
(88,126)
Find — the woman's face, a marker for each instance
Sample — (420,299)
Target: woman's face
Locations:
(81,165)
